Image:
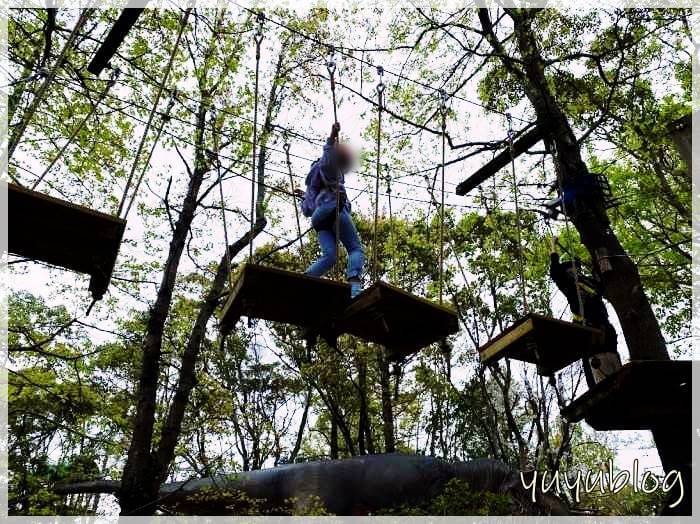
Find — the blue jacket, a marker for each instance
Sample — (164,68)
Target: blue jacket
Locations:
(322,180)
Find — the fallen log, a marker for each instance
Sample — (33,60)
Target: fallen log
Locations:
(356,486)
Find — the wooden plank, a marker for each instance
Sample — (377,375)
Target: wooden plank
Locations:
(401,322)
(501,160)
(550,343)
(491,351)
(114,39)
(641,395)
(383,314)
(64,234)
(278,295)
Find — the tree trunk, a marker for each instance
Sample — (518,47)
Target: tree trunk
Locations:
(302,426)
(362,416)
(387,407)
(623,287)
(143,473)
(155,466)
(334,438)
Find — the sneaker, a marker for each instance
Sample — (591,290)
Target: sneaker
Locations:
(355,288)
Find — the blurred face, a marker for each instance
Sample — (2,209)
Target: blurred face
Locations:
(346,156)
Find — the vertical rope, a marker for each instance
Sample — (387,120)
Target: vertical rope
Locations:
(223,210)
(79,127)
(392,275)
(164,120)
(380,109)
(331,66)
(443,111)
(159,92)
(41,92)
(287,147)
(521,259)
(258,37)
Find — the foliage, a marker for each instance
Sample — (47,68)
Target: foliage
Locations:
(456,498)
(261,397)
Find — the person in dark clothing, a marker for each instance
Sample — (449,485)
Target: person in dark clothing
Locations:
(568,278)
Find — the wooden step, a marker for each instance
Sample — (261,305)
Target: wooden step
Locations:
(401,322)
(547,342)
(640,395)
(63,234)
(283,296)
(382,314)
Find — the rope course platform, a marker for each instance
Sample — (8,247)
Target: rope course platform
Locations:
(382,314)
(642,394)
(401,322)
(283,296)
(549,343)
(64,234)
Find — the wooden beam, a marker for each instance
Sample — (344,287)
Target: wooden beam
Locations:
(492,351)
(114,39)
(501,160)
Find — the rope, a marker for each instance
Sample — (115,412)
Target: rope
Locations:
(159,92)
(331,66)
(165,118)
(223,210)
(351,53)
(380,107)
(391,228)
(443,111)
(521,258)
(79,127)
(41,92)
(185,140)
(258,37)
(287,147)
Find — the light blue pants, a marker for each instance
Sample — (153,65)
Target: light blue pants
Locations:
(350,240)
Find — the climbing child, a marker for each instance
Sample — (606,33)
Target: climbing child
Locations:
(568,279)
(325,187)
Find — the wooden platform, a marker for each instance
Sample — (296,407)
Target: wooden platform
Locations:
(283,296)
(57,232)
(383,314)
(401,322)
(642,394)
(549,343)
